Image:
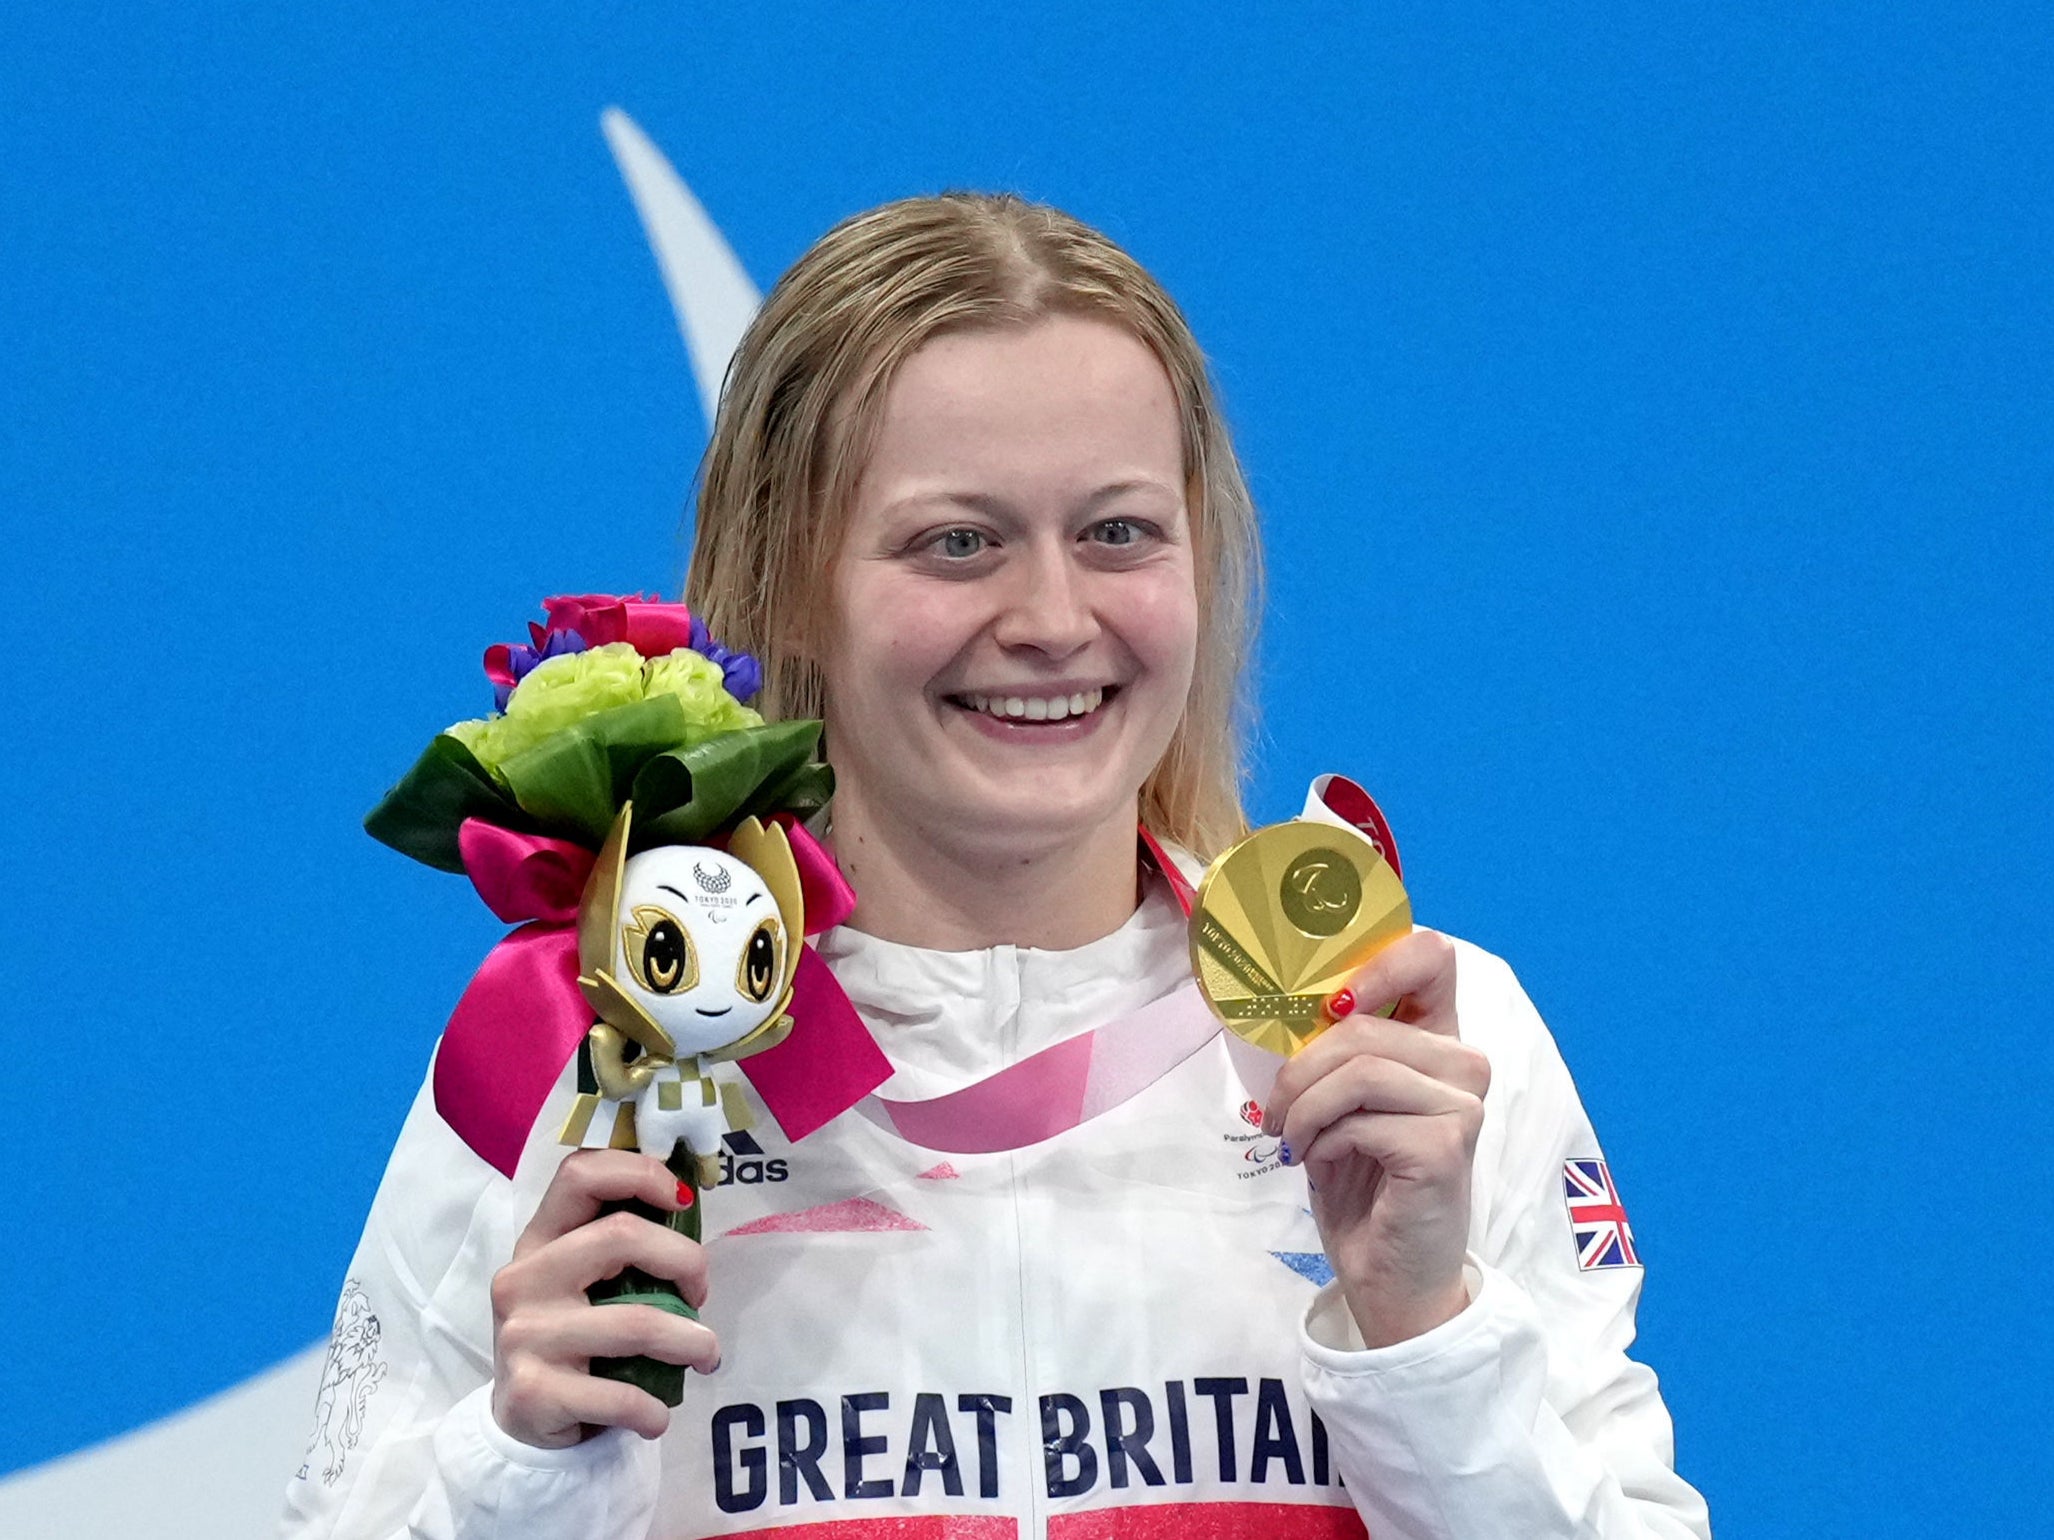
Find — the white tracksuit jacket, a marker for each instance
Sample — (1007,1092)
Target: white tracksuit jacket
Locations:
(1120,1333)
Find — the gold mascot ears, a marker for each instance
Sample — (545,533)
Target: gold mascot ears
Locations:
(767,849)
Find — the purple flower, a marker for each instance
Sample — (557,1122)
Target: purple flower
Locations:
(740,673)
(507,664)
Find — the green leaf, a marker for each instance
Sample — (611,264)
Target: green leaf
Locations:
(575,780)
(683,796)
(565,784)
(686,785)
(420,816)
(804,790)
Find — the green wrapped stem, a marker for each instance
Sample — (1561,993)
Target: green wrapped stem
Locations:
(633,1286)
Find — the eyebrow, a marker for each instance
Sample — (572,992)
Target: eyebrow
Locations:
(752,898)
(995,507)
(669,889)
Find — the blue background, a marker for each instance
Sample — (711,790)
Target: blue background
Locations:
(1650,418)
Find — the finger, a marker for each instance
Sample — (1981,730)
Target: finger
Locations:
(1401,1145)
(1448,1059)
(1372,1085)
(534,1394)
(572,1335)
(572,1263)
(1444,1058)
(1415,973)
(589,1179)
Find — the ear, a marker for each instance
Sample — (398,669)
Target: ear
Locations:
(770,853)
(599,909)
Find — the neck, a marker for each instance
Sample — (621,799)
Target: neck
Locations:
(949,897)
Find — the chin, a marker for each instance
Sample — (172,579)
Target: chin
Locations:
(1043,818)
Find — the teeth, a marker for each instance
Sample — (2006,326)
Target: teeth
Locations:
(1024,708)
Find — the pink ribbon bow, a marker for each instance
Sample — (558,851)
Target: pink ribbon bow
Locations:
(522,1016)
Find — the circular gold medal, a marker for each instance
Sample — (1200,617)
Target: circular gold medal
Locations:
(1284,919)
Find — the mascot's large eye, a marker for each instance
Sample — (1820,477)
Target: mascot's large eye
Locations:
(757,975)
(659,951)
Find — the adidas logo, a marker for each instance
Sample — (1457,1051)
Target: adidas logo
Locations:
(742,1160)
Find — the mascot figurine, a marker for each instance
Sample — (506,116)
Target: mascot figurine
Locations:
(688,956)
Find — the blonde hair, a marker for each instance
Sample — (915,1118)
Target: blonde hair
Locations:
(799,413)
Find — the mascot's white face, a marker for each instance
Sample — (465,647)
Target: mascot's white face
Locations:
(701,945)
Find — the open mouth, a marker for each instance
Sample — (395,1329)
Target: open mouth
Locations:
(1037,708)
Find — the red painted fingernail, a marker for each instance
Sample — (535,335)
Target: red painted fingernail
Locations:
(684,1194)
(1340,1003)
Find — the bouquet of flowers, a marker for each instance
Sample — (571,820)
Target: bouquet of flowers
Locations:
(613,700)
(643,828)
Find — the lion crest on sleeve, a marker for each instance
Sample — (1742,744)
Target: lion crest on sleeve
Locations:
(349,1374)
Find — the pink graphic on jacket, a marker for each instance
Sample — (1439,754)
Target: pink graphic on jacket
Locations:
(850,1215)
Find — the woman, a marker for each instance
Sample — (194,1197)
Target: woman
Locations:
(970,499)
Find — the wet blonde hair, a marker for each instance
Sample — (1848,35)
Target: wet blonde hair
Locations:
(799,413)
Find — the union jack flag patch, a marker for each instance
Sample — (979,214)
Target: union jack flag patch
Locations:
(1598,1218)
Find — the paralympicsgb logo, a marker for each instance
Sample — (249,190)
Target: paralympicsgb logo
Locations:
(1255,1152)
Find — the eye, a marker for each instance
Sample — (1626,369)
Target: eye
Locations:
(659,951)
(959,544)
(758,973)
(1122,532)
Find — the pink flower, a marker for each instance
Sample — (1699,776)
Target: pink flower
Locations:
(652,627)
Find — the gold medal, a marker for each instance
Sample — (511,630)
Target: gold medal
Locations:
(1283,920)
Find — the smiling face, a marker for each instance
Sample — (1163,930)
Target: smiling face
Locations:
(700,944)
(1014,604)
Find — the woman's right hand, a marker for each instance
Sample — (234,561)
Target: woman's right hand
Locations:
(545,1332)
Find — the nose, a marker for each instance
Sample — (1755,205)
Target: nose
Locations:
(1049,607)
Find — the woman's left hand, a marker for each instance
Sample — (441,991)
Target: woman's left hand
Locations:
(1384,1116)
